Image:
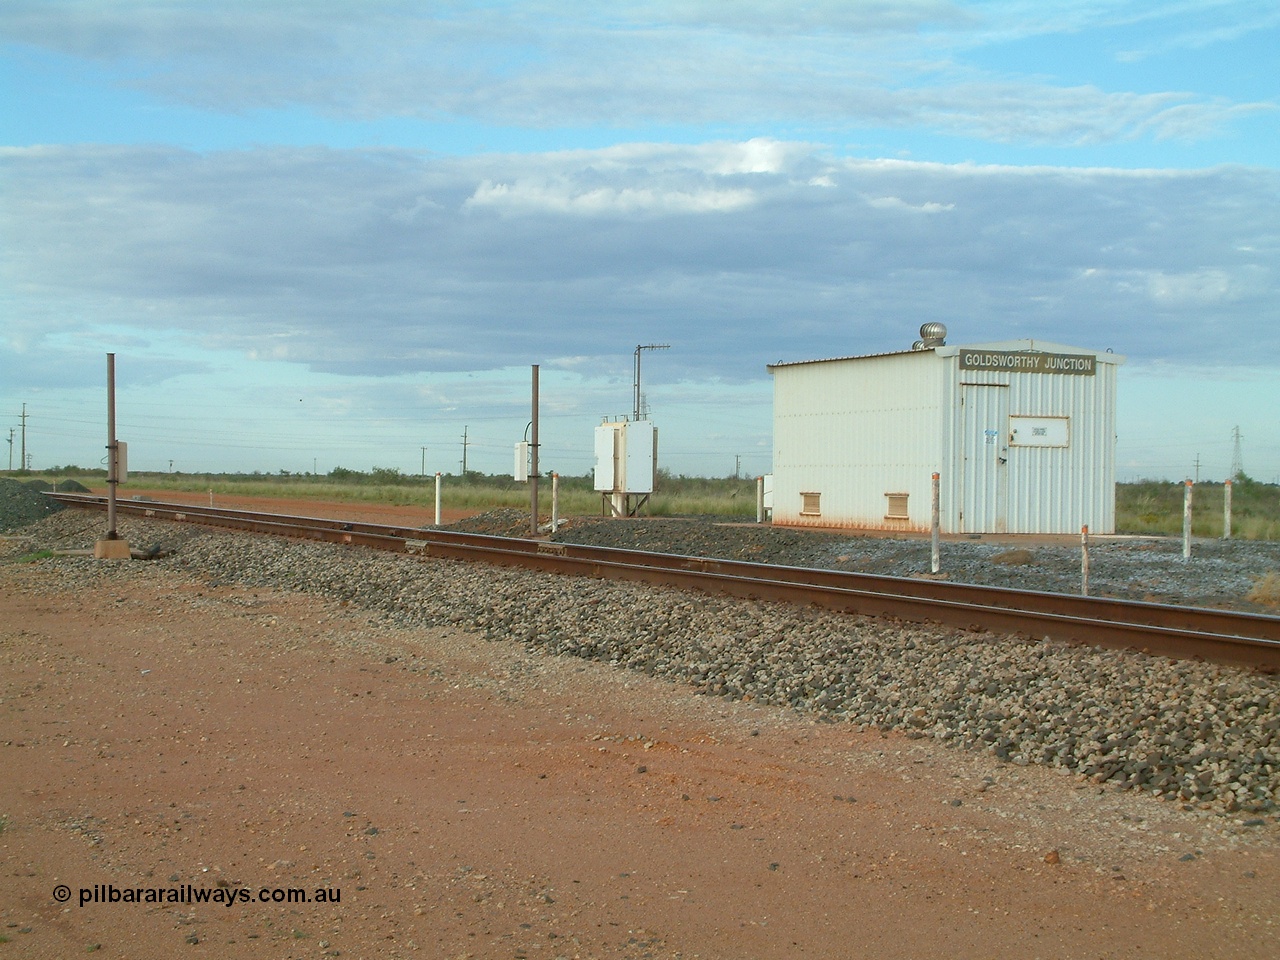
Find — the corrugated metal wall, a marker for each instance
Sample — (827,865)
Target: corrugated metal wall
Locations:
(996,486)
(852,431)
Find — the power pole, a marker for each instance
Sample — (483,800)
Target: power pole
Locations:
(533,466)
(423,472)
(1237,462)
(464,452)
(1196,464)
(11,433)
(23,462)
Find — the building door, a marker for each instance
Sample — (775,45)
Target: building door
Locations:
(984,478)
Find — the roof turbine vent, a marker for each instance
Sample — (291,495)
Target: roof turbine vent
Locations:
(931,335)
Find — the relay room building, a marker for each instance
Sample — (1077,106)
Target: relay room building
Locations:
(1021,433)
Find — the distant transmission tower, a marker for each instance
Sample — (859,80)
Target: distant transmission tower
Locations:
(1237,462)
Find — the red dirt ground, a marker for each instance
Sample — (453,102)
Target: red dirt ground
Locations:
(470,799)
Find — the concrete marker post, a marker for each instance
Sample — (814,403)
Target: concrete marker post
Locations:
(1186,522)
(1084,560)
(1226,510)
(935,524)
(555,502)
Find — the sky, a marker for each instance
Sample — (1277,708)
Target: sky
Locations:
(340,234)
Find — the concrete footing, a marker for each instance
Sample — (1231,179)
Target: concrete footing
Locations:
(111,550)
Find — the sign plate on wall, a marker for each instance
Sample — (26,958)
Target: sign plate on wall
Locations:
(1039,432)
(1014,361)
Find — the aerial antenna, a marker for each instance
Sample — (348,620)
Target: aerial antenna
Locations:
(639,347)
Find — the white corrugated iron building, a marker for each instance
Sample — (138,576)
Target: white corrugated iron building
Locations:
(1021,432)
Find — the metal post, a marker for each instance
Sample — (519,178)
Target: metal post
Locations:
(1226,510)
(533,460)
(555,502)
(1186,522)
(759,499)
(112,462)
(1084,560)
(437,498)
(935,523)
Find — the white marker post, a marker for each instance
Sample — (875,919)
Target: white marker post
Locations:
(1084,560)
(555,501)
(935,523)
(1186,522)
(1226,510)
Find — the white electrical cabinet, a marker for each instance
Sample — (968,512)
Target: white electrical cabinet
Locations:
(626,454)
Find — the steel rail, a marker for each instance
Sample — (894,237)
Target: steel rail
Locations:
(1188,632)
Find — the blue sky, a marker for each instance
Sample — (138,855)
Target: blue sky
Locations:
(332,234)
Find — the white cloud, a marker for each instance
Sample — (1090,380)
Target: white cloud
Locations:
(524,197)
(1197,288)
(897,203)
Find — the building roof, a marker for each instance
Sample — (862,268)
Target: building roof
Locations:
(947,350)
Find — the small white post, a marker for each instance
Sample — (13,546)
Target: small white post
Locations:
(555,502)
(935,523)
(437,498)
(1186,522)
(1226,510)
(759,499)
(1084,560)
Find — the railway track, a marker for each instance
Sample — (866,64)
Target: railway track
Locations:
(1185,632)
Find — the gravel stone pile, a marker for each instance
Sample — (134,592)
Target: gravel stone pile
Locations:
(1202,735)
(23,503)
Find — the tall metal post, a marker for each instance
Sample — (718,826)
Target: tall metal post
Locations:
(112,460)
(533,460)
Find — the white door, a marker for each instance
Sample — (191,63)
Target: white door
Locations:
(984,422)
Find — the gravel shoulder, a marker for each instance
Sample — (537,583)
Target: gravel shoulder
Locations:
(495,765)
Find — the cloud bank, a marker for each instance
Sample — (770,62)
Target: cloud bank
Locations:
(393,261)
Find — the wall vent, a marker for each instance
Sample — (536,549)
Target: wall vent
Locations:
(895,506)
(811,504)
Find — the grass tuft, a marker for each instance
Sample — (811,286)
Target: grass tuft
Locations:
(34,556)
(1266,589)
